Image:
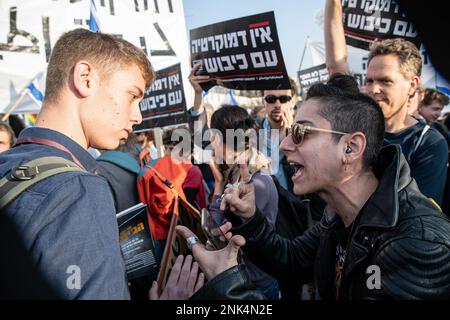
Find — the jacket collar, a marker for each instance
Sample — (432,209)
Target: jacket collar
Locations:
(86,160)
(393,173)
(382,209)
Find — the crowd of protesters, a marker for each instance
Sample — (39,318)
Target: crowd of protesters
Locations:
(345,197)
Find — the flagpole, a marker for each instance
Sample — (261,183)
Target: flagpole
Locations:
(16,104)
(303,54)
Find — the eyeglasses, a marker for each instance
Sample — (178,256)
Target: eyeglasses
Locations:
(298,132)
(273,99)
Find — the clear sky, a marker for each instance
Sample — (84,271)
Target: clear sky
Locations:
(295,19)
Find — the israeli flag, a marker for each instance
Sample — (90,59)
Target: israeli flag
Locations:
(231,99)
(94,22)
(34,92)
(442,84)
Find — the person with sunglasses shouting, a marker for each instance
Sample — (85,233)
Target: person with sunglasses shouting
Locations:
(279,105)
(379,238)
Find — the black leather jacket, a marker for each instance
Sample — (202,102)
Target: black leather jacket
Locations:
(399,230)
(233,283)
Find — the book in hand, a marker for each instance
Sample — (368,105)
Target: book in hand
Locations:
(136,243)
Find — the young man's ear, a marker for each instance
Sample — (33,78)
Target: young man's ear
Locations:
(84,78)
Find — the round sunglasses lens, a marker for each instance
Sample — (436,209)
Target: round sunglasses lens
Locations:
(297,134)
(284,99)
(270,99)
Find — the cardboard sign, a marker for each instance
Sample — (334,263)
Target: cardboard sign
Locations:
(242,54)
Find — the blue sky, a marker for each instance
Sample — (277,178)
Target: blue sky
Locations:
(295,21)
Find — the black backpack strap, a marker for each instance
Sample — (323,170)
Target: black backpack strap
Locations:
(23,177)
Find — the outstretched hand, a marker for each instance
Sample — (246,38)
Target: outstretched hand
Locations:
(213,263)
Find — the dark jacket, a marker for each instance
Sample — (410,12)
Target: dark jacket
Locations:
(439,126)
(233,283)
(399,230)
(122,183)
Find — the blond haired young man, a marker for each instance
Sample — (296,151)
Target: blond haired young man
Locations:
(67,243)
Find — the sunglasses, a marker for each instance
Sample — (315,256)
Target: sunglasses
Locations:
(298,132)
(273,99)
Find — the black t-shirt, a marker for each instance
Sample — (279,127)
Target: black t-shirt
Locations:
(343,236)
(442,130)
(428,163)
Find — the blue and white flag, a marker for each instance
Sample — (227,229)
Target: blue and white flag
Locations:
(94,22)
(34,92)
(231,99)
(442,84)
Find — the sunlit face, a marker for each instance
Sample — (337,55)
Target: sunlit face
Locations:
(388,86)
(114,108)
(431,112)
(317,160)
(275,110)
(5,141)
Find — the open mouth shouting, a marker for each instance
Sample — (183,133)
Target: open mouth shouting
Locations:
(299,169)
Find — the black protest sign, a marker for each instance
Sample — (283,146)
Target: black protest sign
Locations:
(164,103)
(310,76)
(242,54)
(367,20)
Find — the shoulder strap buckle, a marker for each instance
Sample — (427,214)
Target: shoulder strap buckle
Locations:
(23,173)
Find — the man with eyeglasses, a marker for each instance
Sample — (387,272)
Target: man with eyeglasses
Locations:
(379,238)
(279,105)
